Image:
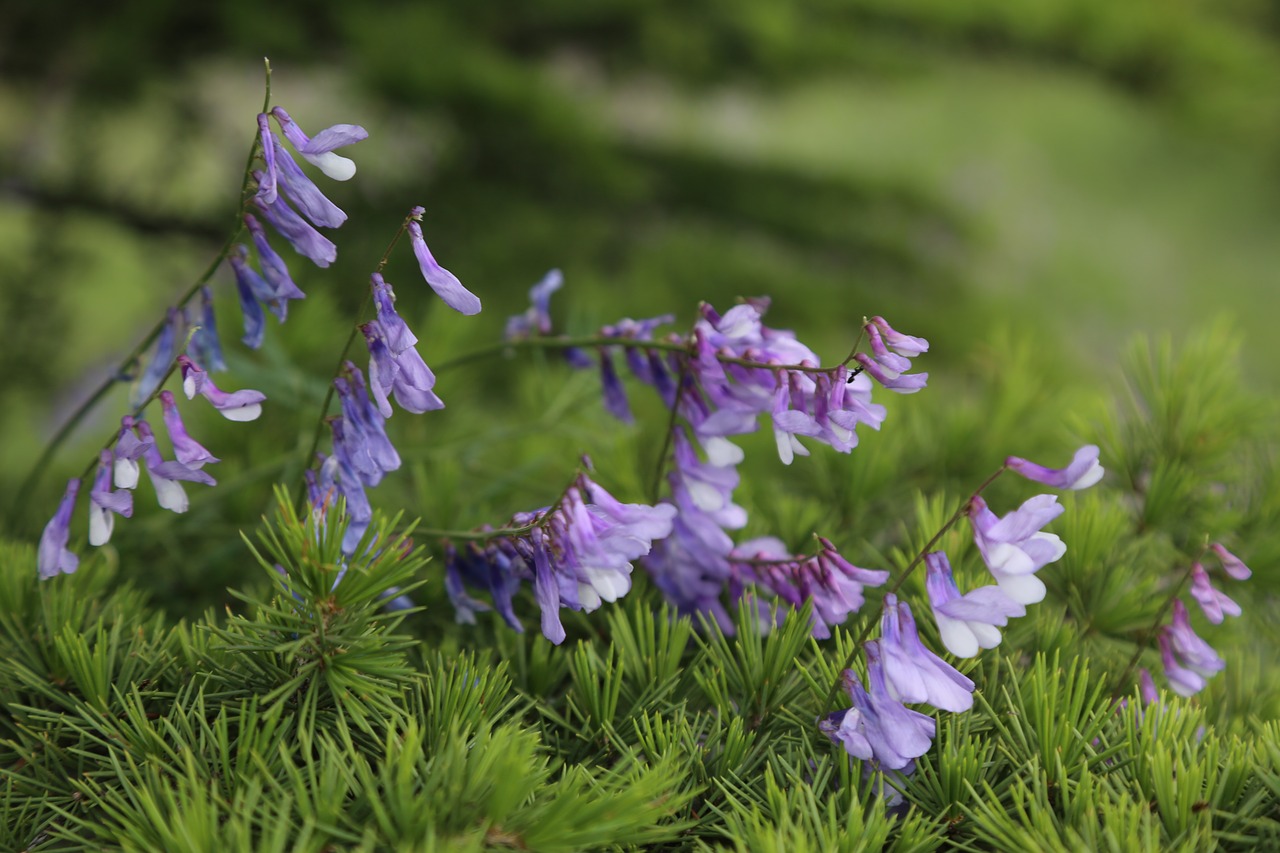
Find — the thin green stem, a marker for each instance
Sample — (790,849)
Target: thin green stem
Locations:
(919,558)
(660,464)
(23,492)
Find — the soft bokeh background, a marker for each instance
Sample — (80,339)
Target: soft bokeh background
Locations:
(1015,181)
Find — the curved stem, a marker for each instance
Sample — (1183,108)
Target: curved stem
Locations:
(919,558)
(22,493)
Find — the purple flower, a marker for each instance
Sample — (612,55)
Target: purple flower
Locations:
(161,359)
(188,451)
(167,477)
(244,405)
(879,727)
(788,423)
(1231,564)
(1190,650)
(398,336)
(205,345)
(1214,604)
(1083,471)
(274,270)
(318,150)
(443,282)
(913,673)
(967,622)
(53,558)
(129,448)
(615,396)
(103,502)
(405,375)
(833,583)
(537,318)
(1013,546)
(304,194)
(363,444)
(253,291)
(267,184)
(903,383)
(299,233)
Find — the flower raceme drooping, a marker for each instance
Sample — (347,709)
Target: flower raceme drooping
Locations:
(395,365)
(577,553)
(1013,546)
(969,622)
(1216,605)
(1188,660)
(360,436)
(168,476)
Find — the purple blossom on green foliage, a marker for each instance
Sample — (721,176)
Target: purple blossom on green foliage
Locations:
(443,282)
(1081,473)
(105,503)
(52,557)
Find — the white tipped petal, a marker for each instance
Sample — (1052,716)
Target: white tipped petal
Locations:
(125,473)
(243,413)
(100,524)
(957,636)
(334,165)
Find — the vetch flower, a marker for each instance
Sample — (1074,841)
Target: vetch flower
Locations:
(1231,564)
(103,502)
(167,476)
(53,558)
(254,292)
(274,270)
(129,449)
(1083,471)
(398,336)
(362,440)
(879,727)
(1190,650)
(161,359)
(1013,546)
(912,672)
(243,405)
(615,396)
(537,318)
(405,375)
(443,282)
(303,193)
(299,234)
(319,150)
(1216,605)
(1147,687)
(205,346)
(188,451)
(966,622)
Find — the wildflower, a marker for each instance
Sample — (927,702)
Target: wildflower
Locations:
(1190,650)
(103,502)
(913,673)
(243,405)
(167,476)
(443,282)
(1147,687)
(966,622)
(299,234)
(304,194)
(188,451)
(1083,471)
(1013,546)
(129,448)
(878,727)
(205,345)
(405,375)
(1216,605)
(53,558)
(365,446)
(398,336)
(253,291)
(319,150)
(1231,564)
(161,359)
(615,396)
(537,318)
(833,583)
(274,270)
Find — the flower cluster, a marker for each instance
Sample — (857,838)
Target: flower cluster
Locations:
(362,452)
(1187,659)
(879,728)
(721,380)
(578,554)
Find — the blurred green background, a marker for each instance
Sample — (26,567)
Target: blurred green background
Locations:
(1035,181)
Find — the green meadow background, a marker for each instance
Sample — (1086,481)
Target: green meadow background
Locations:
(1031,186)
